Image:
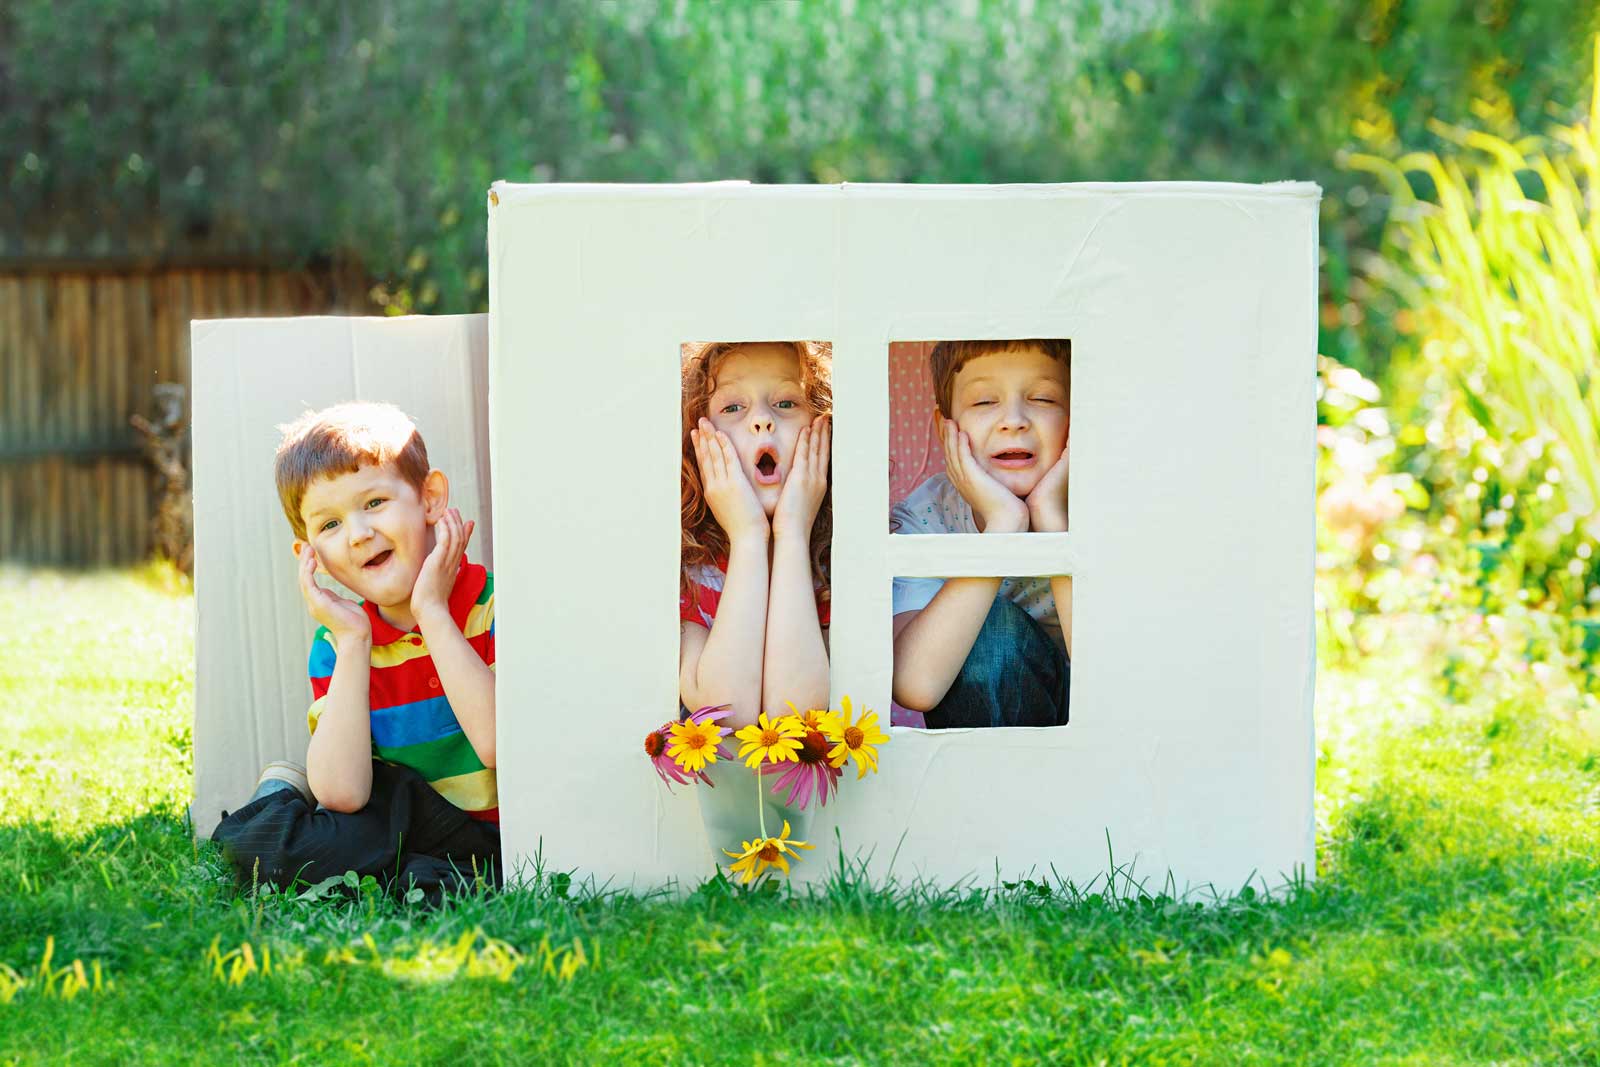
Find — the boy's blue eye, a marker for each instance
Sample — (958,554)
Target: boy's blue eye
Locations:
(785,405)
(729,409)
(330,524)
(375,500)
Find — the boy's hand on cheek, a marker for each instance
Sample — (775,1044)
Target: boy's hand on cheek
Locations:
(997,508)
(345,619)
(437,578)
(728,492)
(1047,504)
(807,482)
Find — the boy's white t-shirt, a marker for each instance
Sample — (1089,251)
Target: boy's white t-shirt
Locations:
(937,507)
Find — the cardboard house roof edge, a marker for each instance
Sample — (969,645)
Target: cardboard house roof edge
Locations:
(1192,311)
(513,192)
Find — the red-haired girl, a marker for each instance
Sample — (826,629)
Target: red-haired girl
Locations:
(757,522)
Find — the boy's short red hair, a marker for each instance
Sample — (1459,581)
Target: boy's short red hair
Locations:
(948,357)
(341,440)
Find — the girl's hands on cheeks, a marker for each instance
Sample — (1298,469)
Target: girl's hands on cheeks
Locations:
(345,619)
(438,575)
(998,508)
(729,494)
(1047,504)
(807,482)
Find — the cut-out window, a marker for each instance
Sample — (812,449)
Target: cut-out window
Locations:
(757,531)
(1000,411)
(978,438)
(981,652)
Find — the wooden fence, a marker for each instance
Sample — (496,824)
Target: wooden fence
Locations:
(80,350)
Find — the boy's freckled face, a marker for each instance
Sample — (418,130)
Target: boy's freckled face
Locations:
(760,403)
(371,532)
(1013,406)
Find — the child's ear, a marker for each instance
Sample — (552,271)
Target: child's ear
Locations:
(435,495)
(300,548)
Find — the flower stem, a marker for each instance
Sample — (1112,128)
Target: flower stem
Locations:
(761,806)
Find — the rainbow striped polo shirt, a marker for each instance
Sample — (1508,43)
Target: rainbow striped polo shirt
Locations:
(412,722)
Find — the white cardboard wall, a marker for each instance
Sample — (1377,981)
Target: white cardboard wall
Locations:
(1191,308)
(253,634)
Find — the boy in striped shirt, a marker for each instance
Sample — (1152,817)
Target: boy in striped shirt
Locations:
(402,679)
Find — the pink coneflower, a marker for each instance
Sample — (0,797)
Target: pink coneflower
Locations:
(656,743)
(810,776)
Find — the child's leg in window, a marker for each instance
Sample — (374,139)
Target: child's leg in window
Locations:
(1015,675)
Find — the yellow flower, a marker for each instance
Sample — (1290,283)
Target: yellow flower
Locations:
(855,740)
(766,852)
(770,740)
(694,744)
(817,719)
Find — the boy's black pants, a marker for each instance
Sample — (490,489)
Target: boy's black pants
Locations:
(407,835)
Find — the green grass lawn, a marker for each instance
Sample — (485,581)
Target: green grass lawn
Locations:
(1456,917)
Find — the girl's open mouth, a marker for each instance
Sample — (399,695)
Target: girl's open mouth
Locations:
(379,560)
(767,466)
(1012,459)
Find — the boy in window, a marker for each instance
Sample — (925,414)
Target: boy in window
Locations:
(972,652)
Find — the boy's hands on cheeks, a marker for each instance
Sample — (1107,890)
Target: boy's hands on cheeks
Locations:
(997,508)
(1047,504)
(345,619)
(431,595)
(728,492)
(807,482)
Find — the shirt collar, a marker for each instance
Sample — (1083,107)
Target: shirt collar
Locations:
(470,581)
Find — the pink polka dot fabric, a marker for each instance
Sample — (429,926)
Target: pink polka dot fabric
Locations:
(914,453)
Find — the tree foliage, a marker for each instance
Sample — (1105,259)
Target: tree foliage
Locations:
(175,127)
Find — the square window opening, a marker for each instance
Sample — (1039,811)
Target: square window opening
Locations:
(1014,670)
(978,435)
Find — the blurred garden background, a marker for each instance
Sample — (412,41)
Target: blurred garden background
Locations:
(168,160)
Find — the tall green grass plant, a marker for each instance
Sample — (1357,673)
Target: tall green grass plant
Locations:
(1494,248)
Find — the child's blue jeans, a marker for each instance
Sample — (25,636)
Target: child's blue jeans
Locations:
(1015,675)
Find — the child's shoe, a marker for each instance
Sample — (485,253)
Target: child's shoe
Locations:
(280,775)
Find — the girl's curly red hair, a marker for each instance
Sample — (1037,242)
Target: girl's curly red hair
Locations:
(704,541)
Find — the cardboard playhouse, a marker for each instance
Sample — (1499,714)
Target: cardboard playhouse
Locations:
(1191,312)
